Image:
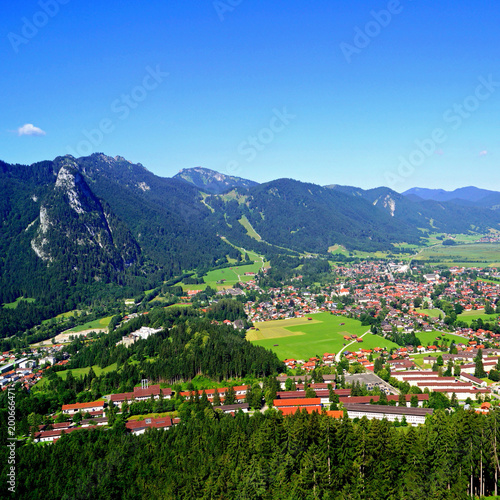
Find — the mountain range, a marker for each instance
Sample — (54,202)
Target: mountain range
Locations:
(470,196)
(97,221)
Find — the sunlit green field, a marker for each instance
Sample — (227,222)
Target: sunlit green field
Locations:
(429,337)
(470,255)
(468,316)
(98,323)
(432,313)
(299,338)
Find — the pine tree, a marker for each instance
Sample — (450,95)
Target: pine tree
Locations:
(383,398)
(479,370)
(230,396)
(216,398)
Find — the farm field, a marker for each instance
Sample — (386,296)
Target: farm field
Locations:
(341,250)
(469,255)
(468,316)
(459,238)
(300,338)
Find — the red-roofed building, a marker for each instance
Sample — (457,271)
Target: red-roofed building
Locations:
(140,426)
(294,409)
(93,406)
(141,394)
(302,402)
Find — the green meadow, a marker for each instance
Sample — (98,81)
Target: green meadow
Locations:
(429,337)
(468,316)
(300,338)
(466,255)
(13,305)
(98,323)
(230,275)
(77,373)
(249,228)
(459,238)
(432,313)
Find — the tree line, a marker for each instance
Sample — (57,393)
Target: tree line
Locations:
(268,456)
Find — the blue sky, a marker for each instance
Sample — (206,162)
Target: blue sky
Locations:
(399,93)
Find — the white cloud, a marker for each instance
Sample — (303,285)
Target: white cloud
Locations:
(29,129)
(483,153)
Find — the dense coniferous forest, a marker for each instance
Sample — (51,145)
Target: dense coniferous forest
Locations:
(187,346)
(268,456)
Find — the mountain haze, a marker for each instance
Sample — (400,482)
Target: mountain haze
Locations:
(469,193)
(451,216)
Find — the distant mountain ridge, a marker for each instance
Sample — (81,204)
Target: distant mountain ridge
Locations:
(469,193)
(211,181)
(73,224)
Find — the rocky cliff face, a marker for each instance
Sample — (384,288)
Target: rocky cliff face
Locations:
(74,223)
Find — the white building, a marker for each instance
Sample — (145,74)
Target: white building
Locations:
(414,416)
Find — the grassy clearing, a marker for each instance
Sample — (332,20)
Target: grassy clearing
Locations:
(429,337)
(97,324)
(221,279)
(77,373)
(419,358)
(370,341)
(251,254)
(230,275)
(432,313)
(62,316)
(13,305)
(249,228)
(301,339)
